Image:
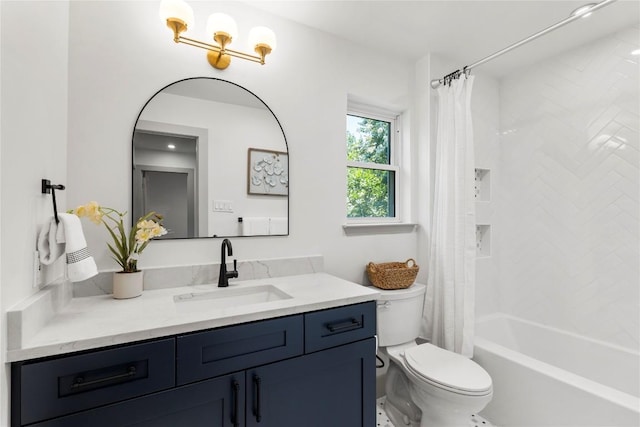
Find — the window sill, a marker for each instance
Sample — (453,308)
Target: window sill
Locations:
(378,228)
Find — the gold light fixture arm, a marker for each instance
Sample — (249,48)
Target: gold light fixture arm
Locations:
(218,49)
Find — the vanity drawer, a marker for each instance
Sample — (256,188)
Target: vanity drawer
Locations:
(74,383)
(337,326)
(208,354)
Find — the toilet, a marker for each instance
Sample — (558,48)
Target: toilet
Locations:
(426,385)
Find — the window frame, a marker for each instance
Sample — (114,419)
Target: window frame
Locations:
(393,118)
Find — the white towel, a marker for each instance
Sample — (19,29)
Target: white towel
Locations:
(278,226)
(68,234)
(255,226)
(48,247)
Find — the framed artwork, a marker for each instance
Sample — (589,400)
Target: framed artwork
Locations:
(268,172)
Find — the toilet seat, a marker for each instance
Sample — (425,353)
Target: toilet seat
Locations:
(447,370)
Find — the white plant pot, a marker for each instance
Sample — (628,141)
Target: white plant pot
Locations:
(127,285)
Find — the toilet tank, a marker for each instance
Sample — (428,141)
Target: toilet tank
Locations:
(400,314)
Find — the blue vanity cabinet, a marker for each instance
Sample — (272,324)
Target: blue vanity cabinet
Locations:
(207,354)
(217,402)
(45,389)
(332,384)
(315,369)
(334,387)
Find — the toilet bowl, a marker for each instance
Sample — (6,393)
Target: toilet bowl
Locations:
(426,385)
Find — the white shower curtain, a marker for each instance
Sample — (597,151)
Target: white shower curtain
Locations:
(448,319)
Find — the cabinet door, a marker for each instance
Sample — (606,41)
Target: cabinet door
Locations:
(217,402)
(334,387)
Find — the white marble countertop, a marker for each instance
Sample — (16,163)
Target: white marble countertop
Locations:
(99,321)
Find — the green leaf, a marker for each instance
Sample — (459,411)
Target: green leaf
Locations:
(117,257)
(121,249)
(144,245)
(132,239)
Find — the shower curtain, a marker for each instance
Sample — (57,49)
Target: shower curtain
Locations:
(448,318)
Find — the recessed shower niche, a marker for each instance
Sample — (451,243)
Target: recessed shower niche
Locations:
(483,240)
(483,185)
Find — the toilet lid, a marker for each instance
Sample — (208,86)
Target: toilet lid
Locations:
(447,368)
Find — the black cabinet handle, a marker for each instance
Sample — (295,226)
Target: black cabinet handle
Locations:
(256,410)
(344,326)
(80,382)
(235,416)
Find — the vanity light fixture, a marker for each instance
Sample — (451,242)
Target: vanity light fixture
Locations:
(179,17)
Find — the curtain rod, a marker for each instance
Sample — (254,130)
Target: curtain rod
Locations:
(437,82)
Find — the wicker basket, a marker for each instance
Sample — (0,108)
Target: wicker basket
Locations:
(393,275)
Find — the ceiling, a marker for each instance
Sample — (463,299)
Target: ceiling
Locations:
(461,31)
(216,90)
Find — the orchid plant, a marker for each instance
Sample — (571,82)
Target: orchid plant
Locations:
(126,247)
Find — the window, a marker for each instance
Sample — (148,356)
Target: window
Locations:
(372,169)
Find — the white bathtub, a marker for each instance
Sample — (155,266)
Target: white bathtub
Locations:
(548,377)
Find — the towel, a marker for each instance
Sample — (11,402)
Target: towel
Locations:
(255,226)
(48,247)
(67,234)
(278,226)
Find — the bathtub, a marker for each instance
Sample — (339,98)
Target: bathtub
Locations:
(548,377)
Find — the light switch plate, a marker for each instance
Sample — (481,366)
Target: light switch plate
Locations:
(222,206)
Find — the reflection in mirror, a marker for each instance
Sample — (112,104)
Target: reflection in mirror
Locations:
(192,148)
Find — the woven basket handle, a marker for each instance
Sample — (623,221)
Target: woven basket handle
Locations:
(412,261)
(372,266)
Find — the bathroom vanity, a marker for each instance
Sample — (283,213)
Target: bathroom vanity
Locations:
(298,350)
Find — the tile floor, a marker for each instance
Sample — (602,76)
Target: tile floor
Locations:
(383,420)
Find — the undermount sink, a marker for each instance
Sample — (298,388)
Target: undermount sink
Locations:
(229,297)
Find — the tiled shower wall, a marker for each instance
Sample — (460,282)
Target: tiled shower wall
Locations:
(566,190)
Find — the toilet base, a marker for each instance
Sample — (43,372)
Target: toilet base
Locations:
(397,418)
(399,406)
(432,418)
(383,419)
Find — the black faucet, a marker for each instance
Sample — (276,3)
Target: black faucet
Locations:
(223,279)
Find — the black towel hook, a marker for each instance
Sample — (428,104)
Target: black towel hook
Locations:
(47,188)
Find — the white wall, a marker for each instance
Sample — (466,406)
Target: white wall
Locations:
(568,191)
(33,142)
(305,82)
(113,70)
(485,105)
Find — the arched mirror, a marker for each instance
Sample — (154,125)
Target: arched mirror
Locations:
(212,158)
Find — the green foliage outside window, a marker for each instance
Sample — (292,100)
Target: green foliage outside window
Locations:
(369,191)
